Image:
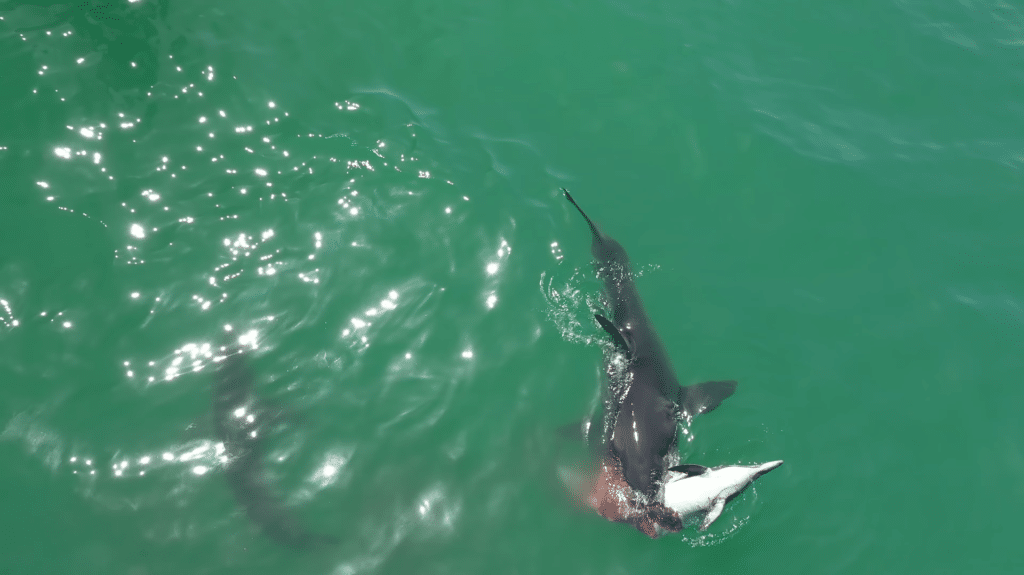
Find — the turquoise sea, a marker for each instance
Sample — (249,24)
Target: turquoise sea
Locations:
(822,201)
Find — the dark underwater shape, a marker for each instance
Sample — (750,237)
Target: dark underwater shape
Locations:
(240,425)
(644,430)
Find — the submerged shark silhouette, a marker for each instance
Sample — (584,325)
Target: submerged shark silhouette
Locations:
(239,424)
(640,434)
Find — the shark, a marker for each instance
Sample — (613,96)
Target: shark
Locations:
(645,401)
(692,490)
(240,423)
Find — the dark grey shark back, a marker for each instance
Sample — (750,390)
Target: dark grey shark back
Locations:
(239,424)
(644,429)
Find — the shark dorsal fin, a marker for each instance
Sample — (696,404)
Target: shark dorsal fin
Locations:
(620,340)
(689,469)
(704,397)
(716,509)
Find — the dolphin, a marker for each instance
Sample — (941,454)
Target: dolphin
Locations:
(646,401)
(239,423)
(694,489)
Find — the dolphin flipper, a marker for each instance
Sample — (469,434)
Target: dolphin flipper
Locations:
(716,509)
(704,397)
(617,336)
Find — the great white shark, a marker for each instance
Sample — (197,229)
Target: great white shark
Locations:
(645,403)
(240,424)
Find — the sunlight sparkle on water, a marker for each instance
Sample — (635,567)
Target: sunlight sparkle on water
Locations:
(248,338)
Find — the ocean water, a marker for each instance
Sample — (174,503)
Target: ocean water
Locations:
(822,202)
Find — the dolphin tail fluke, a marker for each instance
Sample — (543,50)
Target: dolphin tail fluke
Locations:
(593,228)
(704,397)
(766,467)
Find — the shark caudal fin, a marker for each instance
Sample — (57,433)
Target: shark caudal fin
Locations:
(593,228)
(607,252)
(704,397)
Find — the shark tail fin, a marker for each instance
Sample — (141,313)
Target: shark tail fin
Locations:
(593,228)
(704,397)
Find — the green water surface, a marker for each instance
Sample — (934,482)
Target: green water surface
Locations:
(823,201)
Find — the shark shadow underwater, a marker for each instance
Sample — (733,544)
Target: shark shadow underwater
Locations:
(638,447)
(240,423)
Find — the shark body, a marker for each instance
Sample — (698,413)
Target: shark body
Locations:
(240,424)
(645,400)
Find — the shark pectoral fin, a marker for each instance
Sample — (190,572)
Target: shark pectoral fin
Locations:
(689,469)
(717,506)
(704,397)
(617,337)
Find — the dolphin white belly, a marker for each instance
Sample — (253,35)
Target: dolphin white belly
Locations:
(693,489)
